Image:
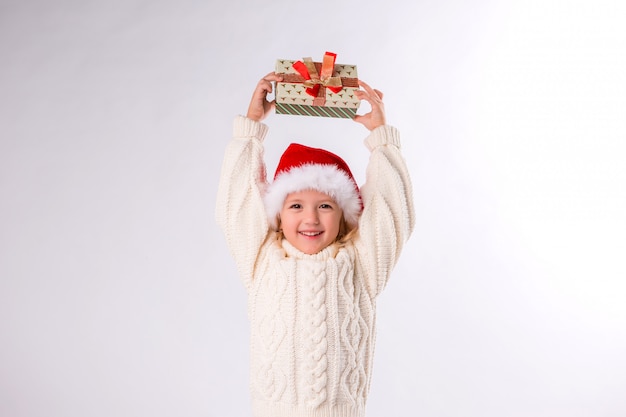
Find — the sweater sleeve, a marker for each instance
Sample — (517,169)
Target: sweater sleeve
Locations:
(388,214)
(239,209)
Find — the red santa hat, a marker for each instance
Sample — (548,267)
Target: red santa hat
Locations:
(303,168)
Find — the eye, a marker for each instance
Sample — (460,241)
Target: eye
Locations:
(326,206)
(295,206)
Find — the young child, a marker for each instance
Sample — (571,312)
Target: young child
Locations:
(314,252)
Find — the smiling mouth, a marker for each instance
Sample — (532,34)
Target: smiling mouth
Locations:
(311,234)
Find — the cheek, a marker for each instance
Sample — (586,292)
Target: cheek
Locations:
(334,222)
(287,221)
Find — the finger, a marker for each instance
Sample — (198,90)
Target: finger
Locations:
(367,87)
(373,99)
(272,76)
(265,86)
(370,94)
(359,118)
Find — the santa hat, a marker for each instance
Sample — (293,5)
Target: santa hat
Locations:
(302,168)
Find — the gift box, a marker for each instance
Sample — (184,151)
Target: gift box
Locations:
(313,88)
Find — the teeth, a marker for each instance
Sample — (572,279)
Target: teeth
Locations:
(311,233)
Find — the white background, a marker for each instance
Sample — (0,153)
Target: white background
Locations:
(119,298)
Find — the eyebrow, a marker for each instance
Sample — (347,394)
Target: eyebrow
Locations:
(298,200)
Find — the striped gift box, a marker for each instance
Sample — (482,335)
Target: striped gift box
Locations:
(299,96)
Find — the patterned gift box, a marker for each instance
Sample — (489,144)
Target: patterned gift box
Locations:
(317,88)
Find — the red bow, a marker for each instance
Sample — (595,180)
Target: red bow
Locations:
(313,81)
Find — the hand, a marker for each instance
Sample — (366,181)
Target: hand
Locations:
(259,106)
(376,117)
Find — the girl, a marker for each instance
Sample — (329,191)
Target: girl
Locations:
(313,252)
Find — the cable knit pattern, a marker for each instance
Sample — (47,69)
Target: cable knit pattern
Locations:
(314,341)
(312,317)
(353,336)
(272,330)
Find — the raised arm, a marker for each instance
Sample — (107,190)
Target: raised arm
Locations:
(239,208)
(388,214)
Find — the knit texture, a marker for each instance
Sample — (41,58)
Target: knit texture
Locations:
(313,317)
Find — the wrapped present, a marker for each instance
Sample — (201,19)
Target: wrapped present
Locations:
(317,88)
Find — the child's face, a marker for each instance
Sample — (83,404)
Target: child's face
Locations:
(310,220)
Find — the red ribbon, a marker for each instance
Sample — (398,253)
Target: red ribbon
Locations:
(315,81)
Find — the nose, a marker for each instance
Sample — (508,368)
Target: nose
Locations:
(312,216)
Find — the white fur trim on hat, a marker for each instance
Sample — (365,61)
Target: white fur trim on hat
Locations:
(328,179)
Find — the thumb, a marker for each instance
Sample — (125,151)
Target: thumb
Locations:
(359,119)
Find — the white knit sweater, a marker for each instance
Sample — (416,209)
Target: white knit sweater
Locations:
(313,316)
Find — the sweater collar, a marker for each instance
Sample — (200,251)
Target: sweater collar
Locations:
(328,252)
